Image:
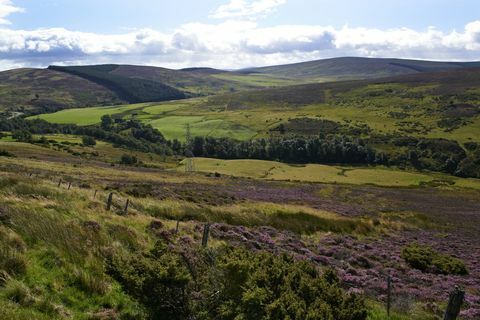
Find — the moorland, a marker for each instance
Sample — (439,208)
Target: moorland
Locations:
(316,182)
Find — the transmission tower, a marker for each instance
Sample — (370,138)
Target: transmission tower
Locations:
(189,161)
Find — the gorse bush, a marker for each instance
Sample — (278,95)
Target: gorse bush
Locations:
(265,286)
(231,283)
(158,279)
(426,259)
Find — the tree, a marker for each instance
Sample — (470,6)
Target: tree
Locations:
(88,141)
(22,135)
(107,122)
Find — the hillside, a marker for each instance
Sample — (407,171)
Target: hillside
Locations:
(29,90)
(428,121)
(357,68)
(42,90)
(67,255)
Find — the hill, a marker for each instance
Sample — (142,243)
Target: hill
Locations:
(42,90)
(356,68)
(67,254)
(29,90)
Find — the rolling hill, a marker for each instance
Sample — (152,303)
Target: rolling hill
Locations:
(43,90)
(356,68)
(34,91)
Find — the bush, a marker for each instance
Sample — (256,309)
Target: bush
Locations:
(128,159)
(266,286)
(229,283)
(5,153)
(88,141)
(22,135)
(157,279)
(425,259)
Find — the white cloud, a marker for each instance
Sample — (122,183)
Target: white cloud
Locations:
(6,9)
(246,9)
(233,44)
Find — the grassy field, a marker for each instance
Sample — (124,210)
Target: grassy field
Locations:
(379,176)
(86,116)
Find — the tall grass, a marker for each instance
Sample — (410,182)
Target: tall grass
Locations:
(297,219)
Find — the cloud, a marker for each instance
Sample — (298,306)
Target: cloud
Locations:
(6,9)
(233,44)
(246,9)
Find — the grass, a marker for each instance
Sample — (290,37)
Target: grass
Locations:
(85,116)
(271,170)
(260,80)
(173,127)
(61,233)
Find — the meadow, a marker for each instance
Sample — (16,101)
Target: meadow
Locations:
(380,176)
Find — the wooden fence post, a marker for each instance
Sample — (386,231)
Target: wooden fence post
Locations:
(389,294)
(206,231)
(125,211)
(454,304)
(178,226)
(109,201)
(59,183)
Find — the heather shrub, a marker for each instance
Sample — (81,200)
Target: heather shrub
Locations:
(426,259)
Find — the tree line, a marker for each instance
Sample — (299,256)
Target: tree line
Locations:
(421,153)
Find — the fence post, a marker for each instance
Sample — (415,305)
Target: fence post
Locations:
(69,185)
(109,201)
(454,304)
(59,183)
(177,227)
(389,294)
(95,194)
(125,211)
(206,230)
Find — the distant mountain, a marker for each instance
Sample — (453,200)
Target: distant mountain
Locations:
(356,68)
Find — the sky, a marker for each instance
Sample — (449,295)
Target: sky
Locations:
(232,34)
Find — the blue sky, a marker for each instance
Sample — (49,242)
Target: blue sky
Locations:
(116,16)
(233,33)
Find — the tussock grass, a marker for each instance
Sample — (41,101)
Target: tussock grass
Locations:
(298,219)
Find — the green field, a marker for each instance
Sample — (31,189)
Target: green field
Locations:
(86,116)
(379,176)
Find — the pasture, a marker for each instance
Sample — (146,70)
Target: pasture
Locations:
(379,176)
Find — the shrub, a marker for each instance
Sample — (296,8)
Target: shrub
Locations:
(158,279)
(5,153)
(128,159)
(265,286)
(426,259)
(88,141)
